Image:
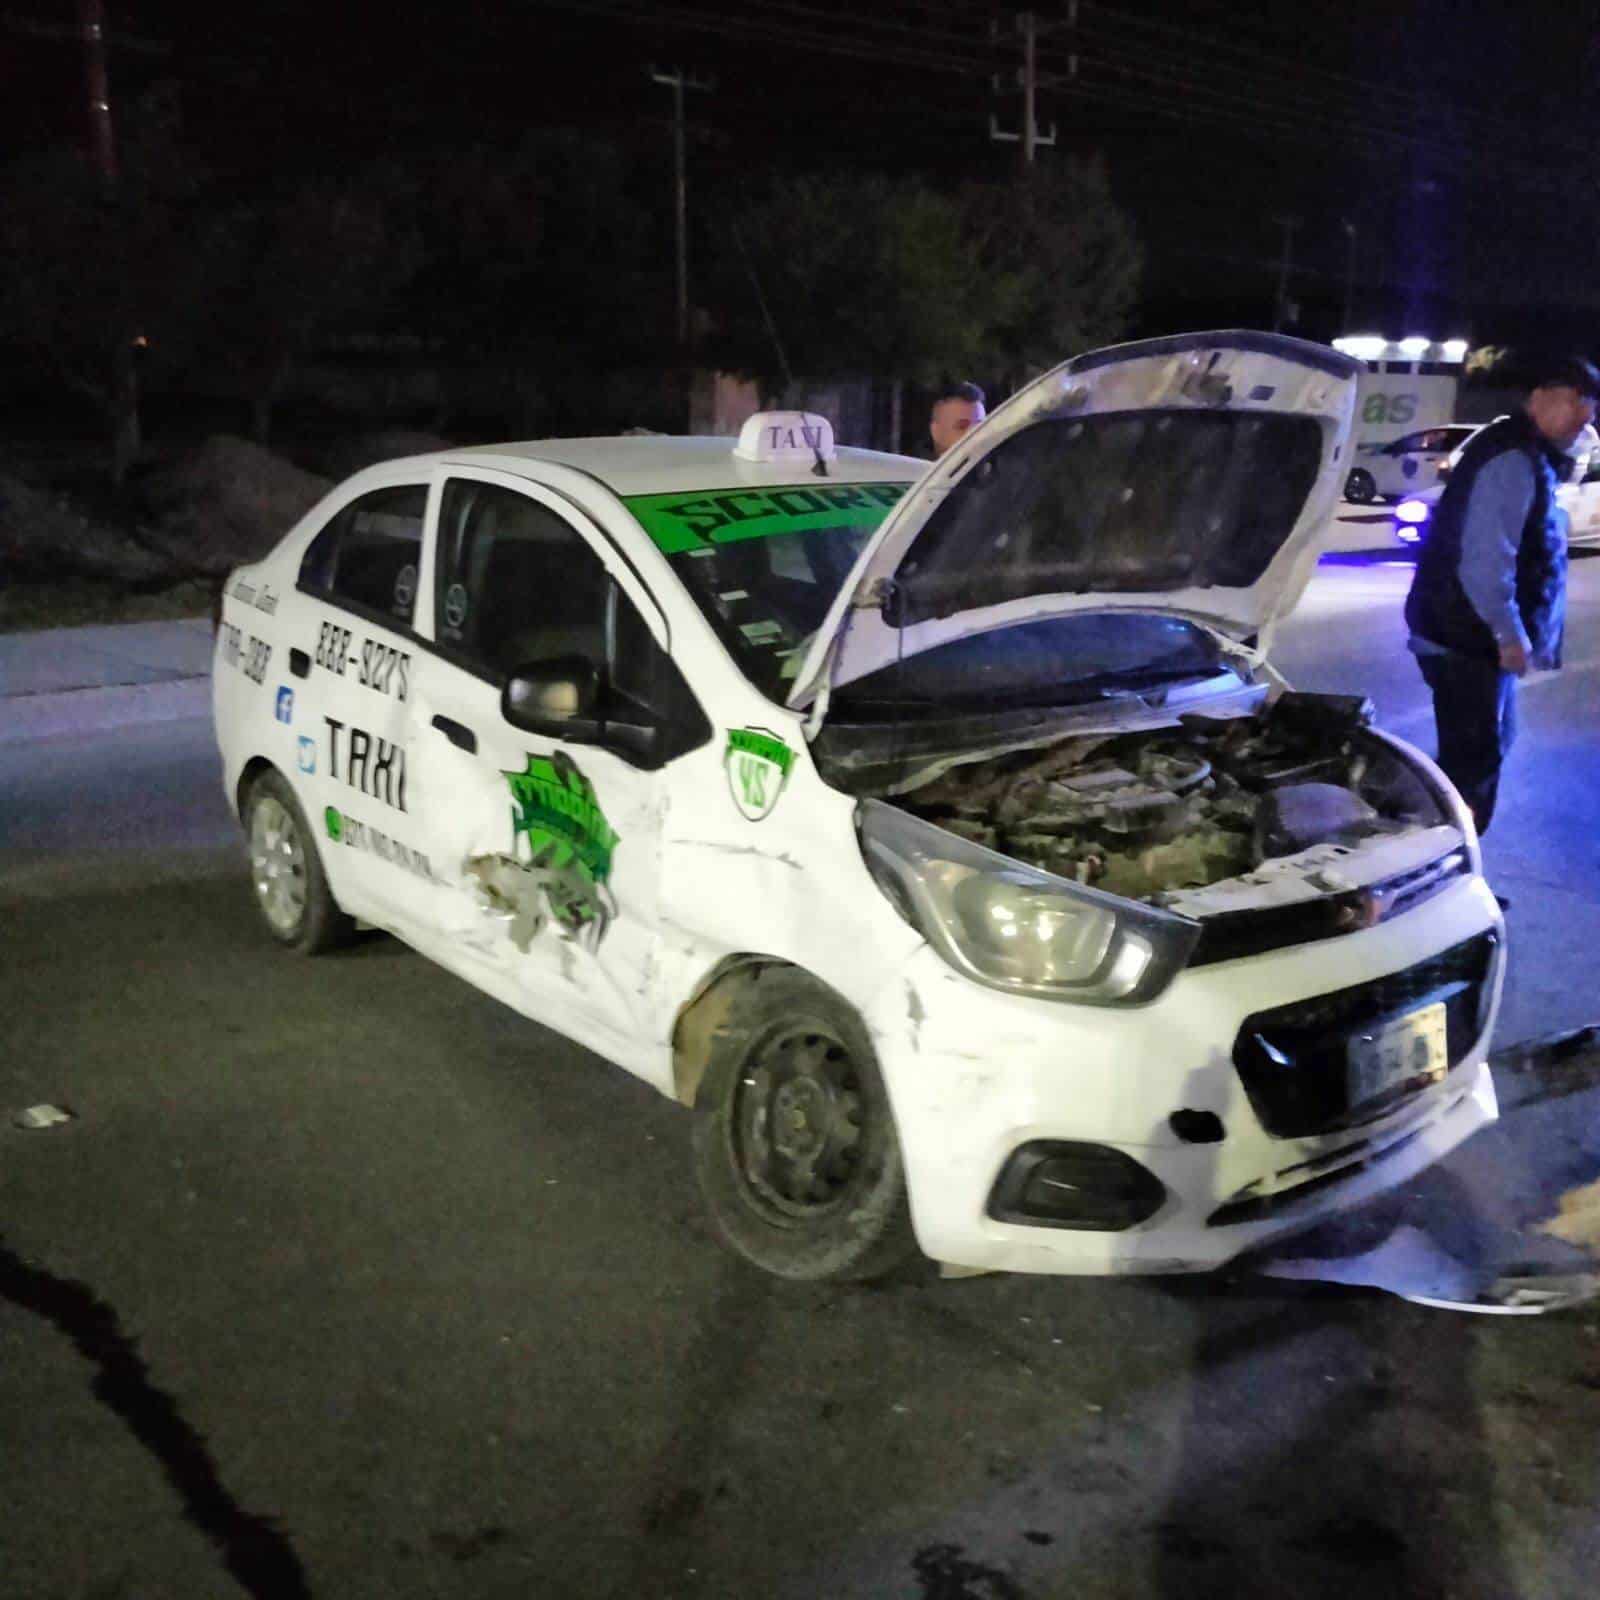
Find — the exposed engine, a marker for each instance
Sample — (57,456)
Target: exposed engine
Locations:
(1145,815)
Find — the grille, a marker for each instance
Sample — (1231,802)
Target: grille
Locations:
(1292,1059)
(1232,934)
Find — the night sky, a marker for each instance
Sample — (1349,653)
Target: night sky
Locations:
(1456,139)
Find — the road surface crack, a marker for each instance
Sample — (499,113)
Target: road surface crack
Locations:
(259,1557)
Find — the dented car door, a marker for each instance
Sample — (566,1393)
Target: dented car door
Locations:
(543,852)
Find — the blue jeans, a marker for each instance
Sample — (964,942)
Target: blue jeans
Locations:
(1475,710)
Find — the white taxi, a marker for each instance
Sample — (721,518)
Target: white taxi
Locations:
(939,834)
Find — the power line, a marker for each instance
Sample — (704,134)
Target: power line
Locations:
(1254,62)
(929,47)
(1252,58)
(1202,102)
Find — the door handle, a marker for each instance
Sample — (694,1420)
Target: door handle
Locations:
(461,736)
(299,663)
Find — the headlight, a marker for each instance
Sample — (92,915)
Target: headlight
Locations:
(1015,928)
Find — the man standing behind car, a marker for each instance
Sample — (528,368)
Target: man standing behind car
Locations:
(957,410)
(1489,595)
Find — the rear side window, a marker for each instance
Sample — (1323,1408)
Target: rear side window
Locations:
(369,555)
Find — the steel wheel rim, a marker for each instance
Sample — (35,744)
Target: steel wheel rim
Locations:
(799,1125)
(277,864)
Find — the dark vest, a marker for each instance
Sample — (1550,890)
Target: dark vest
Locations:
(1438,609)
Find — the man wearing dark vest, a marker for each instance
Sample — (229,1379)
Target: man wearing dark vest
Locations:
(1489,596)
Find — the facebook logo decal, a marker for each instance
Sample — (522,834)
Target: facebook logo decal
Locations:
(285,703)
(308,754)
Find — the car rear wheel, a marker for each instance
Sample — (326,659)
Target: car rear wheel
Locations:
(291,889)
(1360,486)
(794,1143)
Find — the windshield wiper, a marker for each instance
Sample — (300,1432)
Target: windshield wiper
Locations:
(1101,686)
(1131,680)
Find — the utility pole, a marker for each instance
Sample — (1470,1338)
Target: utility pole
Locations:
(1349,274)
(126,432)
(1030,85)
(93,27)
(1027,79)
(678,82)
(1281,316)
(121,399)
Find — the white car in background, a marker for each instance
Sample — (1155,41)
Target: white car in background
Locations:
(938,832)
(1404,466)
(1578,499)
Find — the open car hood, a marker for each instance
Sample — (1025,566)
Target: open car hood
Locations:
(1195,473)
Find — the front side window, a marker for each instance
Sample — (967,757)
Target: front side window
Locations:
(514,582)
(369,555)
(517,584)
(763,565)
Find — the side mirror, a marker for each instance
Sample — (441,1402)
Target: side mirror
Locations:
(559,697)
(562,699)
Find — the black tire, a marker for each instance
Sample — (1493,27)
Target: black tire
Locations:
(826,1200)
(286,878)
(1360,486)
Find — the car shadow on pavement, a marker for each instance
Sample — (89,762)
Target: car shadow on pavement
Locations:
(1333,1439)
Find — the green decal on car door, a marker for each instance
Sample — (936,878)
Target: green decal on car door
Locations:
(560,866)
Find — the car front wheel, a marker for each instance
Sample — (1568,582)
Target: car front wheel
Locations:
(794,1140)
(291,889)
(1360,486)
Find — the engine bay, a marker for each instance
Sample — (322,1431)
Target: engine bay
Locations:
(1150,815)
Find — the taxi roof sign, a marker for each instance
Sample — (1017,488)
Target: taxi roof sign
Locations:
(774,436)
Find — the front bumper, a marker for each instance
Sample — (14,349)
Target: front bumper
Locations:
(976,1076)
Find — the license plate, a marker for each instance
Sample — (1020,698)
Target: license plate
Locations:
(1414,1049)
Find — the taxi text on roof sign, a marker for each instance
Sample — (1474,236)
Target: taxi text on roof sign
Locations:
(784,436)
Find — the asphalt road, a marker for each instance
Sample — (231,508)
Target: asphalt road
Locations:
(347,1282)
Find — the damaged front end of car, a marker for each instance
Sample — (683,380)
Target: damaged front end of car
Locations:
(1274,826)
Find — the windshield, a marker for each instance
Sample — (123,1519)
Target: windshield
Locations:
(1070,660)
(763,564)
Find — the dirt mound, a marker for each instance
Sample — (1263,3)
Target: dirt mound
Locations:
(225,503)
(46,536)
(343,456)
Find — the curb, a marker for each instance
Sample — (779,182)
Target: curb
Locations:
(42,716)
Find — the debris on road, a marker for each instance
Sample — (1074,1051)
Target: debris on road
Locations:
(1414,1266)
(1578,1220)
(1542,1260)
(42,1117)
(1524,1296)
